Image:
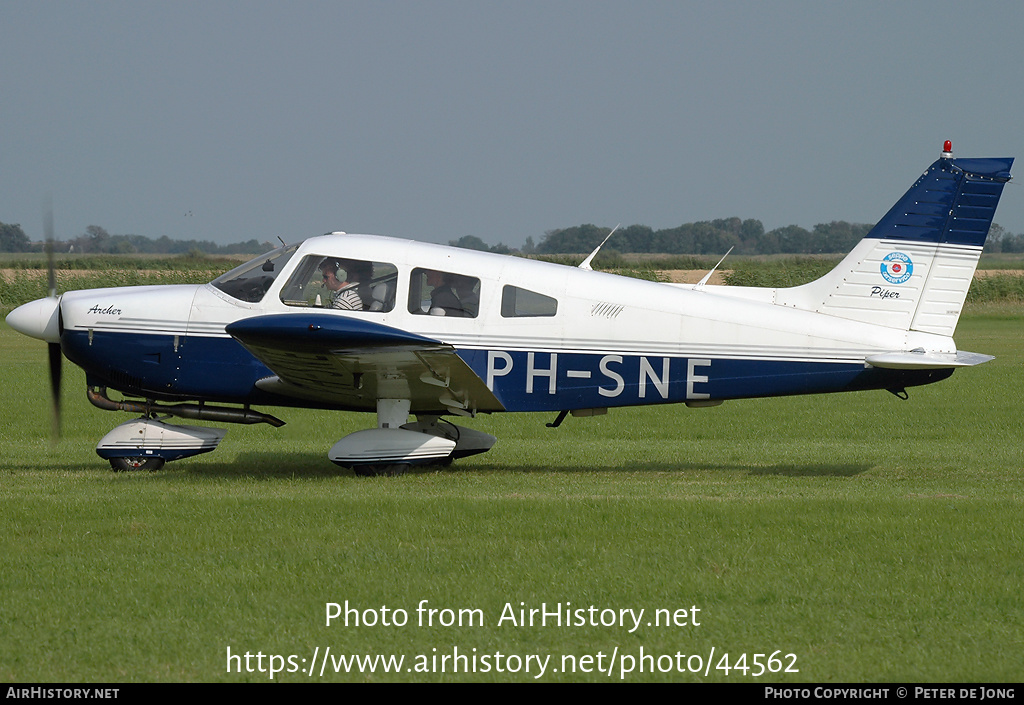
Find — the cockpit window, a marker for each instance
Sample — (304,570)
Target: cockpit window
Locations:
(250,281)
(342,283)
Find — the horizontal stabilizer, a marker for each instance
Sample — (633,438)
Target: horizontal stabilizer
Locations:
(921,360)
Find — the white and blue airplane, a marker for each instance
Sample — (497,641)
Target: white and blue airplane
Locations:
(402,328)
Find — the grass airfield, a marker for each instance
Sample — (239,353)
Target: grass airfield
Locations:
(873,538)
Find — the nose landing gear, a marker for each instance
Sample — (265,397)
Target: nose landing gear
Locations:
(147,443)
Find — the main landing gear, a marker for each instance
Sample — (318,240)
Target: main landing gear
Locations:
(394,446)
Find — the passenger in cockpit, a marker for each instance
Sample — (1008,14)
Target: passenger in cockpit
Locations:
(468,293)
(443,299)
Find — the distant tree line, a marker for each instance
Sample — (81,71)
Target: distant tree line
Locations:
(472,242)
(13,239)
(708,237)
(747,237)
(96,240)
(999,240)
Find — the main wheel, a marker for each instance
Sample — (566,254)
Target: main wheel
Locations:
(136,463)
(383,469)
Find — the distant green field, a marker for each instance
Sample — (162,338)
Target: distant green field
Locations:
(25,278)
(872,538)
(196,261)
(1002,260)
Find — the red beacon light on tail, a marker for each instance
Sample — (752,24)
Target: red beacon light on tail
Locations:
(947,149)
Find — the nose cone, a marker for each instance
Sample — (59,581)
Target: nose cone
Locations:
(37,319)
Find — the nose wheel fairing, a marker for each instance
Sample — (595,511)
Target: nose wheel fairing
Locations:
(147,438)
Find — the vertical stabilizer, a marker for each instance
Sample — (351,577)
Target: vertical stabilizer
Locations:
(913,270)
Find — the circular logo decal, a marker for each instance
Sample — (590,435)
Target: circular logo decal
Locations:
(897,267)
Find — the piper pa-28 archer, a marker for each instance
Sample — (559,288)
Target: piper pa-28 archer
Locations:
(400,328)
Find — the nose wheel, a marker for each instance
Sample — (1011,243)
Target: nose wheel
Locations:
(137,463)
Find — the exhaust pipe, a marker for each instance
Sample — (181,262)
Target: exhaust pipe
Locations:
(223,414)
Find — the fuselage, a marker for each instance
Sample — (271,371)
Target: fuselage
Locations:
(542,336)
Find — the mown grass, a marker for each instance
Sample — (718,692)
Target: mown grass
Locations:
(877,539)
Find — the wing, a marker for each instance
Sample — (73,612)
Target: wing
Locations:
(351,363)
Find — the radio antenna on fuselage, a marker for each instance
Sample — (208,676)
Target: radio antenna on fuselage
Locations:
(707,276)
(585,264)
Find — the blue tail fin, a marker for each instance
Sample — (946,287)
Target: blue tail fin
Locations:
(953,203)
(913,270)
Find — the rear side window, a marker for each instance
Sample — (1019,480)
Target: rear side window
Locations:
(440,293)
(523,303)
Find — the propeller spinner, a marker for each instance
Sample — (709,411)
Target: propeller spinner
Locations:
(41,319)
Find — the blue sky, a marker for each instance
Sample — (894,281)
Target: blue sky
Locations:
(436,119)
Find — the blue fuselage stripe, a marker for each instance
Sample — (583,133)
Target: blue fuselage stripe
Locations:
(220,370)
(542,381)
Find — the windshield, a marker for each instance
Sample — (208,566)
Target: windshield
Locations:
(250,281)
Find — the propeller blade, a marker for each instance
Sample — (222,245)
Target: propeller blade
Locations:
(51,276)
(56,362)
(56,357)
